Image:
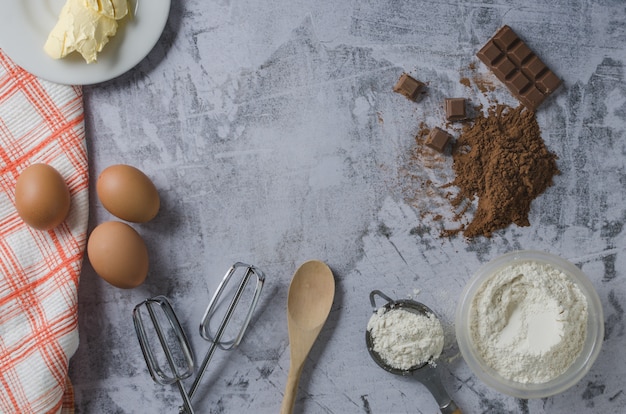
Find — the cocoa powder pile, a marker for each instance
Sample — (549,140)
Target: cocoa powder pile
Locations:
(502,160)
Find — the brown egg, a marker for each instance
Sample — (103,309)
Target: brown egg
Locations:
(118,254)
(42,198)
(128,193)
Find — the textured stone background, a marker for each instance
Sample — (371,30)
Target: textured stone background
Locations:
(272,134)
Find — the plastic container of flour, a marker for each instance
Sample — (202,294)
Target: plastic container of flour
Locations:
(579,367)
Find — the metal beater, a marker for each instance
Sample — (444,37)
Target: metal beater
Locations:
(174,362)
(173,343)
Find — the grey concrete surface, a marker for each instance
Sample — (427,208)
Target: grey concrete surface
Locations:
(273,136)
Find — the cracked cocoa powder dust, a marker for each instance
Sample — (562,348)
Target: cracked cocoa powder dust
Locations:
(500,164)
(501,160)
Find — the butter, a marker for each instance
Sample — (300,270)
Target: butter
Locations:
(85,26)
(115,9)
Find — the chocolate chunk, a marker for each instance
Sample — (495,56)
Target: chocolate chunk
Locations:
(438,139)
(515,65)
(455,109)
(408,86)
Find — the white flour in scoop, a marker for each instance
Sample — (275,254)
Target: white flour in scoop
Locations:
(404,339)
(529,322)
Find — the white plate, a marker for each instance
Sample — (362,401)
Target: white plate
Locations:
(25,25)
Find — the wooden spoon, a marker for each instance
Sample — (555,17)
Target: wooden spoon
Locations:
(311,294)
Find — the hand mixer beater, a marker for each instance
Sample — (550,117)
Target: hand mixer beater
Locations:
(165,345)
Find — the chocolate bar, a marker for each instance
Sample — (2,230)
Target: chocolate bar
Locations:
(438,139)
(513,63)
(408,86)
(455,109)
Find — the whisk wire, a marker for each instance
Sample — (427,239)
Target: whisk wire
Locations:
(158,374)
(205,324)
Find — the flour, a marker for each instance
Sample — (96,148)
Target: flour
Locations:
(405,339)
(529,322)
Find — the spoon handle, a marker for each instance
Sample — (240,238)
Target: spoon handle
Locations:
(429,376)
(451,409)
(291,389)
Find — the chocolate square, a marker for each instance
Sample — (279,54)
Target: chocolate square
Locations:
(438,139)
(505,38)
(518,82)
(408,86)
(534,68)
(548,82)
(532,98)
(519,53)
(489,54)
(455,109)
(503,69)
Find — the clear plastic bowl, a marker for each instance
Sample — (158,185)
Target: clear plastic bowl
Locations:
(591,347)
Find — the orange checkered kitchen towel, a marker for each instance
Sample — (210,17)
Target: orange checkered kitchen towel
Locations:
(39,122)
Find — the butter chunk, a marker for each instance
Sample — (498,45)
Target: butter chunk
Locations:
(115,9)
(80,29)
